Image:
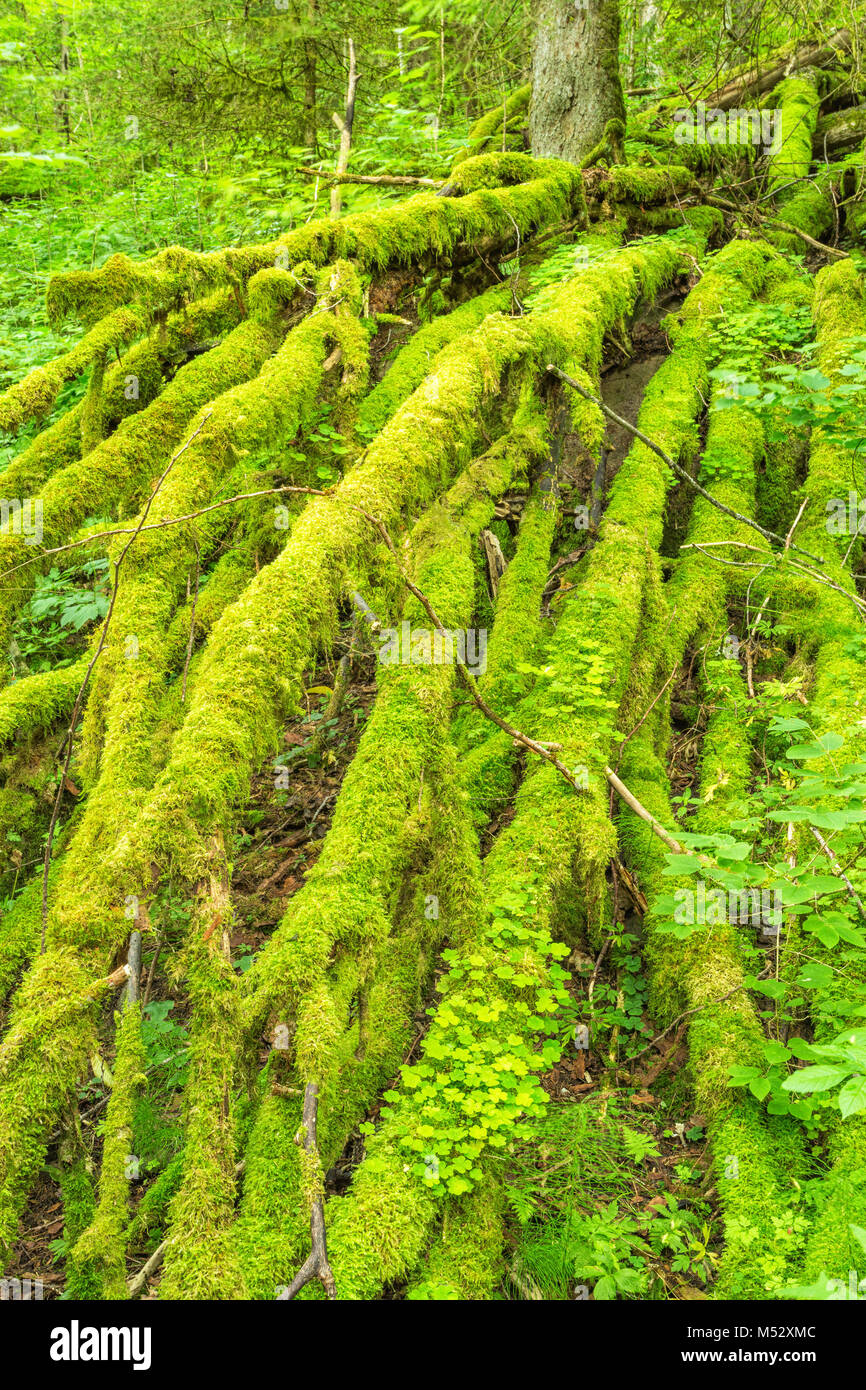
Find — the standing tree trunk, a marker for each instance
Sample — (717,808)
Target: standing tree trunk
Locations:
(61,98)
(309,47)
(345,128)
(576,87)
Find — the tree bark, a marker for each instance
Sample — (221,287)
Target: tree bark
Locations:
(576,86)
(345,128)
(756,81)
(310,123)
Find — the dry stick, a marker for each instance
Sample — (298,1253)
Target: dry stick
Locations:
(861,530)
(631,800)
(542,750)
(170,521)
(535,746)
(385,180)
(316,1264)
(675,467)
(696,1010)
(859,603)
(150,974)
(133,960)
(135,1285)
(785,226)
(139,1280)
(344,126)
(79,699)
(837,869)
(788,538)
(192,618)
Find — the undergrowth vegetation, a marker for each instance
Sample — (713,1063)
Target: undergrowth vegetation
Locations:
(433,711)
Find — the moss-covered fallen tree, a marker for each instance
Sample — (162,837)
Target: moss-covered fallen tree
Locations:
(409,1001)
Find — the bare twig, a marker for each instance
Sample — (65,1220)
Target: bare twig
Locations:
(838,870)
(138,1281)
(79,699)
(631,800)
(344,125)
(673,465)
(795,523)
(711,1004)
(171,520)
(191,618)
(785,226)
(133,960)
(316,1265)
(384,180)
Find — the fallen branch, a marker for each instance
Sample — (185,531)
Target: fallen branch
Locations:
(137,1283)
(785,226)
(344,126)
(759,80)
(384,180)
(79,699)
(838,870)
(631,800)
(675,467)
(316,1265)
(541,750)
(711,1004)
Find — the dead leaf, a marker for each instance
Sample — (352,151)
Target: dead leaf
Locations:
(642,1098)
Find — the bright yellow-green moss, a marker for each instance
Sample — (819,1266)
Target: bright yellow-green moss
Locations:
(20,929)
(252,419)
(336,943)
(96,1267)
(754,1158)
(48,1044)
(466,1258)
(125,464)
(129,385)
(199,1261)
(34,704)
(92,421)
(797,101)
(398,234)
(641,184)
(488,132)
(151,1209)
(417,358)
(34,397)
(486,773)
(827,622)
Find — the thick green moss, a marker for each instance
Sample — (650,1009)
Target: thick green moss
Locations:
(754,1158)
(34,397)
(500,125)
(417,358)
(199,1261)
(36,703)
(250,420)
(96,1267)
(152,1208)
(466,1258)
(20,930)
(830,630)
(798,101)
(124,465)
(392,235)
